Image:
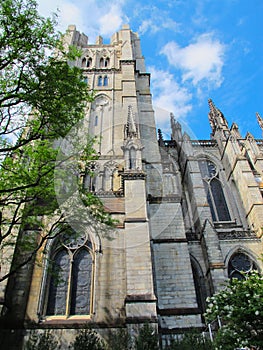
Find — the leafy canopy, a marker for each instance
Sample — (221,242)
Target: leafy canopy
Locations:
(42,96)
(240,309)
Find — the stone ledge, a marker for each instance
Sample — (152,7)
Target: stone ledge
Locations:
(169,240)
(179,311)
(140,298)
(141,319)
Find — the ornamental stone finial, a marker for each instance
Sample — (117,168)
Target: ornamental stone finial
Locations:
(260,120)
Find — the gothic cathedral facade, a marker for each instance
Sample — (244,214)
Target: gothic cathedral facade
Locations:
(190,213)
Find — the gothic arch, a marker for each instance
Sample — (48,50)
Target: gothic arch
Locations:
(246,261)
(110,168)
(64,256)
(199,283)
(214,188)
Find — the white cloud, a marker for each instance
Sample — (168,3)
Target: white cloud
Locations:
(157,23)
(201,61)
(90,16)
(111,21)
(168,96)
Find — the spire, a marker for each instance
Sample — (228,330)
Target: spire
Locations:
(160,138)
(216,118)
(131,126)
(260,120)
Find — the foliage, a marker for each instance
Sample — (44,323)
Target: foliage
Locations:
(191,341)
(119,340)
(88,339)
(240,309)
(147,339)
(42,97)
(44,341)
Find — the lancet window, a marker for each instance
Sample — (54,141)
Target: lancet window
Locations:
(86,62)
(69,283)
(100,80)
(214,191)
(104,62)
(105,81)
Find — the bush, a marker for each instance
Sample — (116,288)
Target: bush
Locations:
(88,339)
(119,340)
(147,339)
(190,341)
(44,341)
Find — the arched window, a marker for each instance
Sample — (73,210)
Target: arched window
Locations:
(214,191)
(239,265)
(200,285)
(105,81)
(132,158)
(101,62)
(83,62)
(89,62)
(107,62)
(100,81)
(70,277)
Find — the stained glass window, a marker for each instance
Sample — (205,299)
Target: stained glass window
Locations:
(81,282)
(70,280)
(214,191)
(58,288)
(239,265)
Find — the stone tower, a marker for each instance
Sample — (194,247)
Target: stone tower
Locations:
(190,213)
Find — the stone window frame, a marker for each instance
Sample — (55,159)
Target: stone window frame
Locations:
(86,62)
(100,80)
(105,80)
(216,178)
(240,268)
(57,246)
(104,62)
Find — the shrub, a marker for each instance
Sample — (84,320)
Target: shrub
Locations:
(88,339)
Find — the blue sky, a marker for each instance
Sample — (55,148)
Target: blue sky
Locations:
(194,50)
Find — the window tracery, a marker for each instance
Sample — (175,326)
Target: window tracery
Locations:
(104,62)
(86,62)
(239,265)
(214,191)
(70,277)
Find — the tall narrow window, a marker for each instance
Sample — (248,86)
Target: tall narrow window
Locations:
(214,191)
(58,288)
(101,62)
(70,281)
(107,62)
(83,62)
(81,282)
(100,81)
(105,81)
(89,62)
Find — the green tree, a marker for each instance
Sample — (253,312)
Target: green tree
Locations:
(240,308)
(42,97)
(147,339)
(88,339)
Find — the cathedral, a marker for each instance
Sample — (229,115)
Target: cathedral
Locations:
(189,214)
